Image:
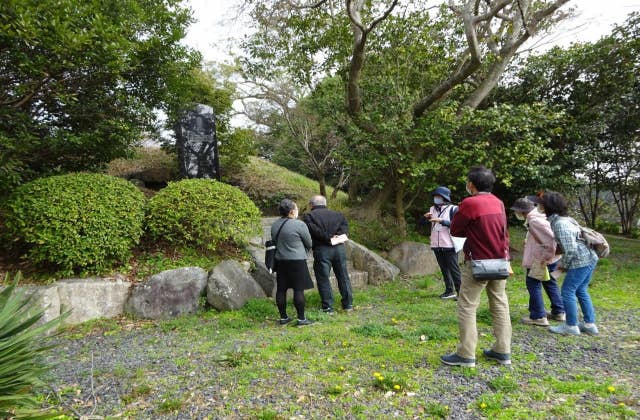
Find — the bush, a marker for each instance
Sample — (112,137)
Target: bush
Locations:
(21,348)
(381,234)
(202,213)
(151,165)
(76,221)
(608,227)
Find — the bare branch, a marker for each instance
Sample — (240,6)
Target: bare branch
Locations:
(354,15)
(493,11)
(307,6)
(509,49)
(360,33)
(384,16)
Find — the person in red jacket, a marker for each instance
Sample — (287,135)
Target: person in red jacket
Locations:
(482,219)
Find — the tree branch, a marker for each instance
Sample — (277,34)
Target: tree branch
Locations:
(306,6)
(360,33)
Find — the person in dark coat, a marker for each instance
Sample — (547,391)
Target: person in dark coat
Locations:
(327,227)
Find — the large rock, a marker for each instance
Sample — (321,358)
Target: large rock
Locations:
(168,294)
(229,286)
(378,269)
(414,258)
(89,298)
(260,273)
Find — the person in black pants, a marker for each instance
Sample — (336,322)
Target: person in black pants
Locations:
(440,215)
(293,242)
(325,224)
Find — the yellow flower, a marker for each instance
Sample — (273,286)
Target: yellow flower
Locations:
(376,374)
(383,366)
(396,387)
(380,378)
(621,404)
(338,388)
(342,369)
(483,405)
(611,388)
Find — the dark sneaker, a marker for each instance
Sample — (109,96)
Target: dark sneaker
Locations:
(448,295)
(455,360)
(348,309)
(303,322)
(562,317)
(502,358)
(541,322)
(592,330)
(284,321)
(328,311)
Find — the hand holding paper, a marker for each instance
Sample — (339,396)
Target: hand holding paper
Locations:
(339,239)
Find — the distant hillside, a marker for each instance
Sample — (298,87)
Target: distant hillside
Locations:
(267,183)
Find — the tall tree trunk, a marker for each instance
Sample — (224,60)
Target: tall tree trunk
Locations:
(399,209)
(322,183)
(371,207)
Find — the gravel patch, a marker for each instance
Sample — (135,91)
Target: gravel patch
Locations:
(97,375)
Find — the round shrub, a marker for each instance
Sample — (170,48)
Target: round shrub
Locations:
(202,213)
(78,221)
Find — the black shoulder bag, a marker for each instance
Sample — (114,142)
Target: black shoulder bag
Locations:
(270,250)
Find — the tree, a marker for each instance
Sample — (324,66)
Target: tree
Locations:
(302,131)
(596,84)
(401,66)
(80,81)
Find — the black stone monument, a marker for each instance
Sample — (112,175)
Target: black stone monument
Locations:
(197,144)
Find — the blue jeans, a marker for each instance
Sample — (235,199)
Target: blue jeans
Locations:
(536,302)
(327,257)
(576,285)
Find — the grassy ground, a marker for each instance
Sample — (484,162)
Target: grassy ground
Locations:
(380,361)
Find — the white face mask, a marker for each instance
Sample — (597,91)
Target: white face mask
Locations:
(437,201)
(520,216)
(466,187)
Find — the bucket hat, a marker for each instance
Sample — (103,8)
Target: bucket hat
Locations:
(444,192)
(537,199)
(523,205)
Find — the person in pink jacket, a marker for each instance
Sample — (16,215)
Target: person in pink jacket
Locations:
(440,215)
(539,252)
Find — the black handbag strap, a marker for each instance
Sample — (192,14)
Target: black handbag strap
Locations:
(275,240)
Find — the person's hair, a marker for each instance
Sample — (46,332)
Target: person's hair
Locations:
(285,207)
(482,178)
(318,200)
(555,203)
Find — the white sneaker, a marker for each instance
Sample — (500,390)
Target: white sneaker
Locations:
(565,329)
(592,330)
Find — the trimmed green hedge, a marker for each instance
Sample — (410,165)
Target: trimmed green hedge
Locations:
(77,221)
(202,213)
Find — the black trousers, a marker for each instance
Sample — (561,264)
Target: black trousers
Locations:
(448,261)
(324,259)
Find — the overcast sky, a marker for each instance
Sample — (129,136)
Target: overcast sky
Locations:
(216,26)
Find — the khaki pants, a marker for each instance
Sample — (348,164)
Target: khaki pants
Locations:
(468,301)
